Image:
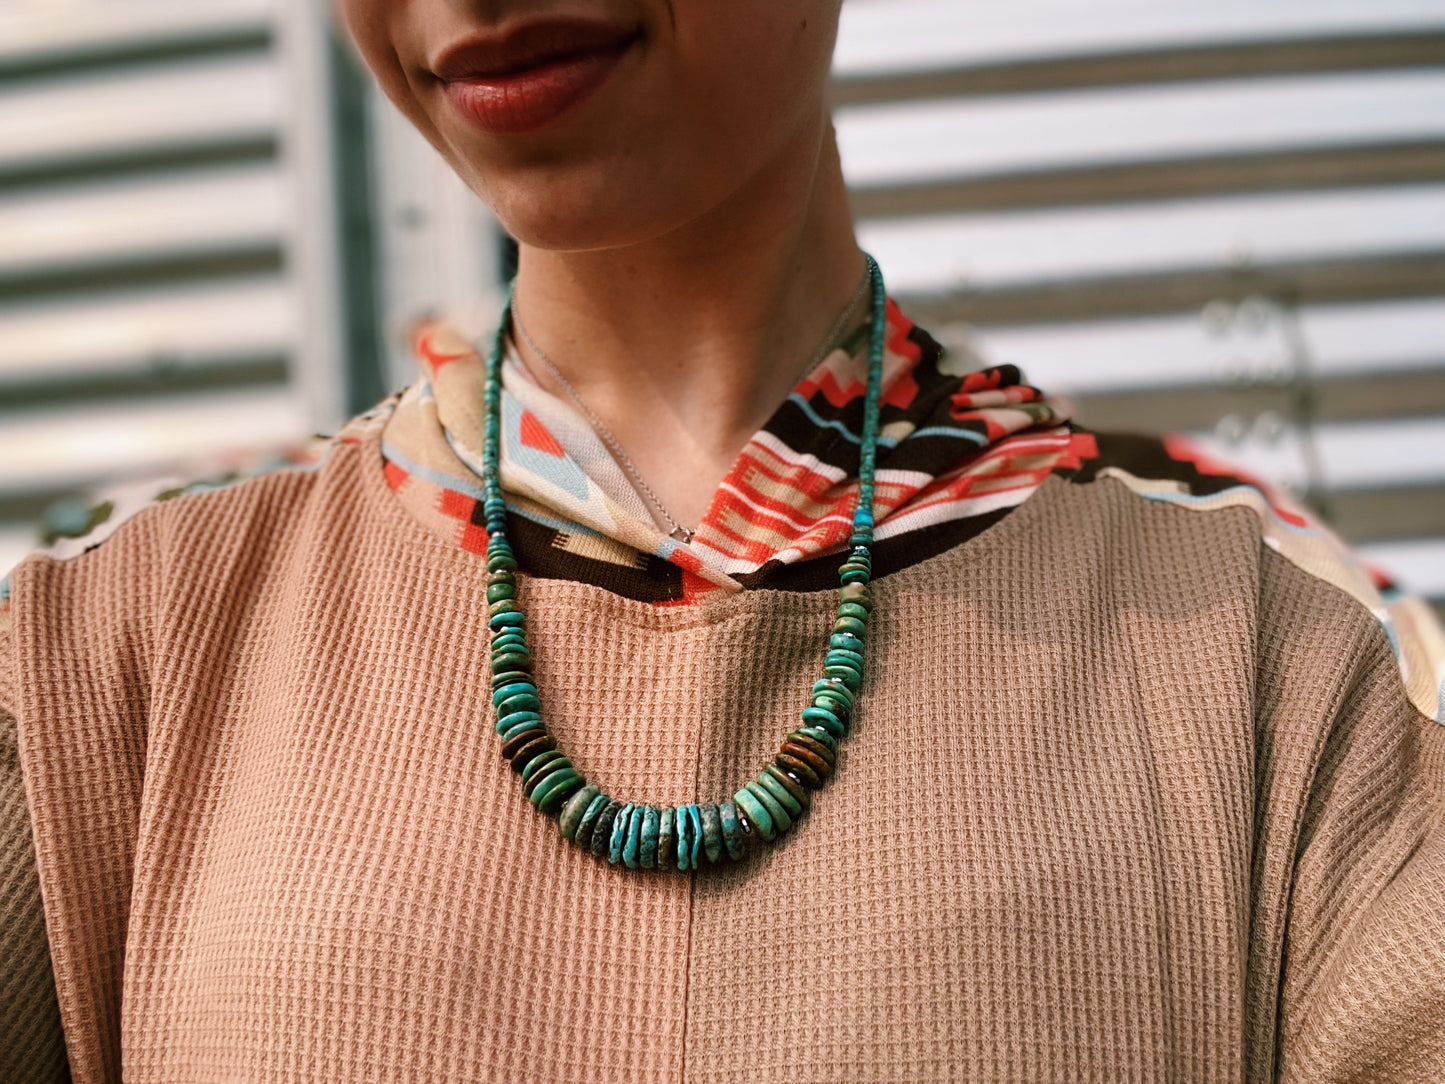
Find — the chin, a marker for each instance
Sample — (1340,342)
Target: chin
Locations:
(573,214)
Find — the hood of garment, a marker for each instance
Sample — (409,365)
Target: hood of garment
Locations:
(956,442)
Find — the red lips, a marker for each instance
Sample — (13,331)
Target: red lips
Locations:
(524,79)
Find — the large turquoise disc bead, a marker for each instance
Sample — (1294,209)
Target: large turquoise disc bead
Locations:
(632,849)
(712,840)
(556,789)
(781,794)
(755,811)
(732,829)
(583,836)
(647,853)
(781,821)
(571,816)
(684,838)
(667,838)
(694,830)
(619,833)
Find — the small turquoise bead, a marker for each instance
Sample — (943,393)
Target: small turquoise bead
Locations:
(583,835)
(505,606)
(513,660)
(651,822)
(824,718)
(571,816)
(506,722)
(501,562)
(712,840)
(498,591)
(847,641)
(694,829)
(780,793)
(539,763)
(848,675)
(684,838)
(854,575)
(834,688)
(506,677)
(619,833)
(509,640)
(756,812)
(732,829)
(552,791)
(856,594)
(520,701)
(840,657)
(843,624)
(511,620)
(818,734)
(602,830)
(551,768)
(781,821)
(523,727)
(632,849)
(853,610)
(666,838)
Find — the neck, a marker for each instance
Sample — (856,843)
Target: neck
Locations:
(685,344)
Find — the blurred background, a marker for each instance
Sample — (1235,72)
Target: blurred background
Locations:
(1222,218)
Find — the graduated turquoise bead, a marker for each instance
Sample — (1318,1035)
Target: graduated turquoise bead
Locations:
(619,833)
(831,687)
(583,836)
(507,620)
(523,727)
(780,794)
(511,719)
(781,821)
(539,762)
(666,838)
(819,734)
(684,839)
(556,788)
(571,816)
(694,829)
(632,848)
(651,823)
(732,829)
(522,702)
(712,840)
(756,812)
(853,610)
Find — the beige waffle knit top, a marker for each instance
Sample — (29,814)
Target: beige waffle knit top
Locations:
(1136,792)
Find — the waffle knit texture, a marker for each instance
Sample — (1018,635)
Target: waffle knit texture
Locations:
(1131,796)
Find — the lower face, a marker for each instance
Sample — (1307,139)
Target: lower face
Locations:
(590,124)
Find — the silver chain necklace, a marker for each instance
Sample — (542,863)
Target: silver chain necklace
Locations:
(678,531)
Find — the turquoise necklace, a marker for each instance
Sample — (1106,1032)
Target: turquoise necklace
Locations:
(658,836)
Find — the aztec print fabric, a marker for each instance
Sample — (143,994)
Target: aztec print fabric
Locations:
(958,446)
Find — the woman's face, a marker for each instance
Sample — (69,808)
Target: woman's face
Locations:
(590,124)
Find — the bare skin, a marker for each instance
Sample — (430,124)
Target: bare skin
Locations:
(685,235)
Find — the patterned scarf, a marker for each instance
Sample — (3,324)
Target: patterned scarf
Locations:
(957,444)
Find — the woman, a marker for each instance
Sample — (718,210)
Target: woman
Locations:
(1130,771)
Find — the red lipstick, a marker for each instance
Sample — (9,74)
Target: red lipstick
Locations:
(526,78)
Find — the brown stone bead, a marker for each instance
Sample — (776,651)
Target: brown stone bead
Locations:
(797,790)
(521,757)
(801,769)
(815,745)
(517,744)
(808,757)
(856,593)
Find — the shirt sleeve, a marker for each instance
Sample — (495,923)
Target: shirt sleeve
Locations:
(1348,934)
(32,1042)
